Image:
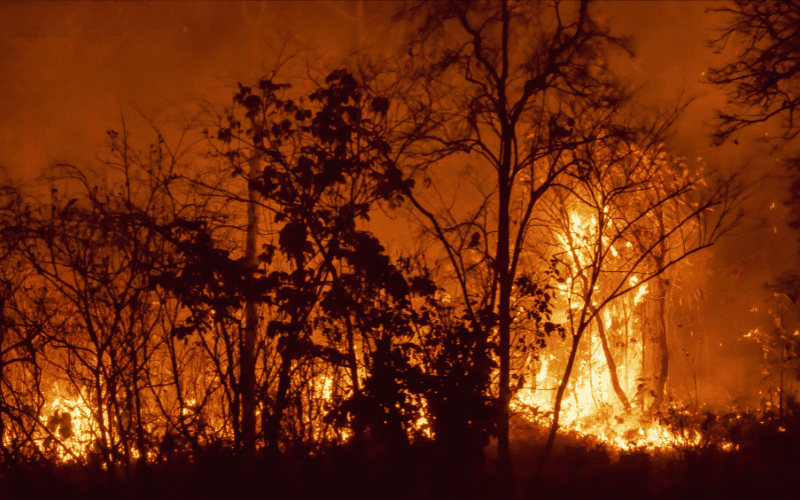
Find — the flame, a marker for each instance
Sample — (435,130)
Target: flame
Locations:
(639,294)
(591,405)
(71,425)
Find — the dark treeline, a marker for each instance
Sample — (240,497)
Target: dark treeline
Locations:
(215,304)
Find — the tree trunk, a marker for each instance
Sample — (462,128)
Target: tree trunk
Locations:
(274,422)
(502,262)
(612,366)
(3,448)
(504,328)
(247,354)
(562,387)
(284,372)
(661,297)
(663,346)
(352,362)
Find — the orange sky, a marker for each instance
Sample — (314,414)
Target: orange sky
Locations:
(68,68)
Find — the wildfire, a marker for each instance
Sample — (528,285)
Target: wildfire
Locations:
(592,405)
(71,428)
(605,397)
(641,292)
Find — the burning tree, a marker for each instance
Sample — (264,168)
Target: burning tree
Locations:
(317,169)
(618,223)
(108,381)
(25,309)
(90,255)
(393,360)
(522,96)
(493,76)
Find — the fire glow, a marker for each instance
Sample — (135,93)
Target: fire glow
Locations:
(591,407)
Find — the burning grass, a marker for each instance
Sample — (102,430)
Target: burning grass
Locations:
(762,463)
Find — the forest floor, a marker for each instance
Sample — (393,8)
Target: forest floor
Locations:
(765,465)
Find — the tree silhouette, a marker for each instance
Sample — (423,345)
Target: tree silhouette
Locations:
(324,168)
(762,82)
(491,81)
(94,251)
(25,310)
(619,223)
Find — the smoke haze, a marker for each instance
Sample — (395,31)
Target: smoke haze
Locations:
(68,71)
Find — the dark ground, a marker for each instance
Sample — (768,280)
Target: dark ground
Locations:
(766,465)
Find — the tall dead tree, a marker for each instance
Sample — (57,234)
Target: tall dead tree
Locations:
(247,356)
(494,77)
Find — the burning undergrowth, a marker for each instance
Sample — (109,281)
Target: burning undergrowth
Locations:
(151,369)
(154,324)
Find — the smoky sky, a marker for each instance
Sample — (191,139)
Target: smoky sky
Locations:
(69,70)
